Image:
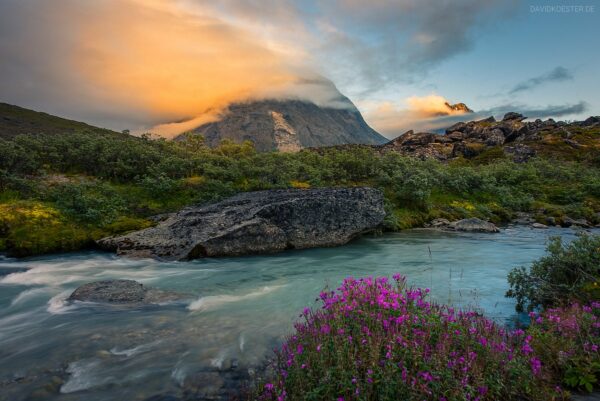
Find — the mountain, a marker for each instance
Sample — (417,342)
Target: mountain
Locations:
(290,125)
(458,107)
(15,120)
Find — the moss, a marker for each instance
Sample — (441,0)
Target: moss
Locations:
(408,218)
(126,224)
(31,228)
(489,155)
(299,184)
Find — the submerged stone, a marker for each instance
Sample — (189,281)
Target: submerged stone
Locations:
(121,292)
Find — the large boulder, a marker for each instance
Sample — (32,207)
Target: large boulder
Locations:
(474,225)
(120,292)
(258,222)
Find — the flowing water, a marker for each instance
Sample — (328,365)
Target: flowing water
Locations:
(235,310)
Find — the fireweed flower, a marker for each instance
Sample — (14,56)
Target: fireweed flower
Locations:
(411,348)
(536,366)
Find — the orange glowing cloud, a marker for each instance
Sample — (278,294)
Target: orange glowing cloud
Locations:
(139,63)
(417,113)
(171,64)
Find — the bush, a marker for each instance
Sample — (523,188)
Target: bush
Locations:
(568,272)
(566,341)
(88,202)
(376,341)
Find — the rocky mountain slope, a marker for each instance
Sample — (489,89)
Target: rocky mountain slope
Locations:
(512,136)
(290,125)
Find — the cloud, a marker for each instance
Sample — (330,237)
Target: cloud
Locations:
(422,114)
(137,63)
(387,42)
(558,74)
(426,113)
(550,111)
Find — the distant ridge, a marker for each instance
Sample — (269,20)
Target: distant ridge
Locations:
(15,120)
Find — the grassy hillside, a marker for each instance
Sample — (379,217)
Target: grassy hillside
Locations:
(59,192)
(15,120)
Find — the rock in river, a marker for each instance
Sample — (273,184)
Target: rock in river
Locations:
(474,225)
(258,222)
(121,292)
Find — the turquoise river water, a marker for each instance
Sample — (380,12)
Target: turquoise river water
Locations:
(236,310)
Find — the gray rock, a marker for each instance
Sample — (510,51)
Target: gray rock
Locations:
(121,292)
(539,225)
(568,222)
(258,222)
(523,218)
(520,152)
(458,127)
(474,225)
(455,136)
(440,222)
(494,138)
(511,116)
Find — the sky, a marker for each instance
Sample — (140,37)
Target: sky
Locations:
(145,64)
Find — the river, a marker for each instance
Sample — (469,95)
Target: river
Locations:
(236,310)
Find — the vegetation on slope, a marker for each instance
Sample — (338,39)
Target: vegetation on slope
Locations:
(98,185)
(92,182)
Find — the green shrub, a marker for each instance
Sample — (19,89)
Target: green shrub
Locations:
(88,202)
(568,272)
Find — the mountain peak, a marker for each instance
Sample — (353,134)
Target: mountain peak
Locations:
(460,107)
(290,125)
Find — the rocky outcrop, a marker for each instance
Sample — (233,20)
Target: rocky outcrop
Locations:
(512,136)
(121,292)
(258,222)
(422,145)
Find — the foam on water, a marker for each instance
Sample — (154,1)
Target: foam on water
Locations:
(135,350)
(215,301)
(81,377)
(58,304)
(28,295)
